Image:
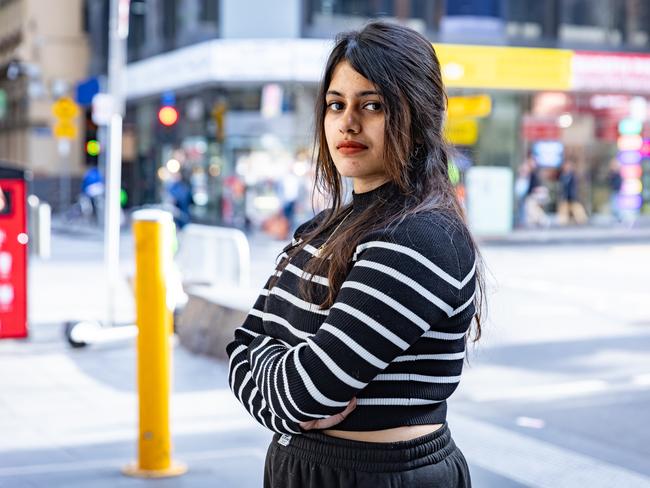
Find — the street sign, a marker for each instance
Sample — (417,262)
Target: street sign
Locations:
(102,109)
(471,106)
(64,129)
(65,108)
(462,132)
(86,90)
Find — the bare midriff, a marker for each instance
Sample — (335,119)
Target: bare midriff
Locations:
(396,434)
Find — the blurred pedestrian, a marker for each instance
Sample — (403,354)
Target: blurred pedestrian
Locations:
(536,197)
(92,189)
(289,193)
(569,206)
(180,192)
(522,185)
(614,181)
(327,356)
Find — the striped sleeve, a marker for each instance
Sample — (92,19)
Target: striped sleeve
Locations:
(401,286)
(240,375)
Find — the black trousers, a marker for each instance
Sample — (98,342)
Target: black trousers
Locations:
(316,460)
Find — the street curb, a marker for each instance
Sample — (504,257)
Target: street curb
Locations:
(577,237)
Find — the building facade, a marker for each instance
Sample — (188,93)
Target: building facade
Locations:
(43,54)
(558,77)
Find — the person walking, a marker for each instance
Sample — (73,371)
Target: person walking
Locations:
(615,182)
(358,338)
(569,206)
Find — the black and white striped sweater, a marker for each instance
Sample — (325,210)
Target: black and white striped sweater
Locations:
(394,338)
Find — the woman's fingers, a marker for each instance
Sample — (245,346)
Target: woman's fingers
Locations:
(330,421)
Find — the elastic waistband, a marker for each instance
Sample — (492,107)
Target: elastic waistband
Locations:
(371,456)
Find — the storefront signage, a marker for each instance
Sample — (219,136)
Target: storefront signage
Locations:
(629,143)
(629,157)
(221,60)
(630,126)
(631,186)
(548,154)
(610,72)
(471,106)
(645,148)
(630,202)
(514,68)
(461,132)
(540,129)
(631,171)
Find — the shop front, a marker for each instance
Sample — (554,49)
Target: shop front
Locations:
(242,139)
(577,120)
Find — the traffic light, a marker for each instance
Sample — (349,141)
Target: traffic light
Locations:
(91,144)
(93,147)
(168,115)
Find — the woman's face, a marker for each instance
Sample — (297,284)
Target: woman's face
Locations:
(354,128)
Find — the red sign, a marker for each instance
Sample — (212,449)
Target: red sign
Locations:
(13,254)
(538,129)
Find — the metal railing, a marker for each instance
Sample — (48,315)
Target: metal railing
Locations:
(210,255)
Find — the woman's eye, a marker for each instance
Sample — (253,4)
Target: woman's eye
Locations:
(373,106)
(335,106)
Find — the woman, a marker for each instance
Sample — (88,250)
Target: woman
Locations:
(358,339)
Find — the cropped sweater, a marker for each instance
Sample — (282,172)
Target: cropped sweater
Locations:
(394,338)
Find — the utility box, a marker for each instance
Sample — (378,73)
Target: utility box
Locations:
(489,191)
(13,252)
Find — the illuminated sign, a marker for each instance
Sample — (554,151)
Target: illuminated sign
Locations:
(516,68)
(629,157)
(471,106)
(548,154)
(630,143)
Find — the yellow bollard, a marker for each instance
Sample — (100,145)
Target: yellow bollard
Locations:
(153,248)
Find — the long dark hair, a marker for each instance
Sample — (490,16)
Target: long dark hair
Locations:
(404,68)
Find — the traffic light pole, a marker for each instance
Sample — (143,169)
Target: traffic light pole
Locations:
(118,33)
(82,333)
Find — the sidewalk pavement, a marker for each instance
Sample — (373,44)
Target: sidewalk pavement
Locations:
(68,417)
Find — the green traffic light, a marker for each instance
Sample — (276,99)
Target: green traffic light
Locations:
(93,147)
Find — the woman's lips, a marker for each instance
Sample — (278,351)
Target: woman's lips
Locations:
(350,147)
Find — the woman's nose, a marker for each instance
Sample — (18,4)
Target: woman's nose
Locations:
(349,123)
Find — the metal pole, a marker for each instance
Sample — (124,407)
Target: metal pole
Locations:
(153,258)
(118,32)
(65,193)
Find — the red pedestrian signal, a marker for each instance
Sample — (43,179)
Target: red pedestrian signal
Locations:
(167,116)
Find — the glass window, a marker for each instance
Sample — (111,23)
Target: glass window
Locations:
(526,19)
(590,22)
(636,24)
(169,24)
(137,30)
(209,11)
(324,18)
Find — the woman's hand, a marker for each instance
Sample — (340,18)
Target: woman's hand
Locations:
(329,421)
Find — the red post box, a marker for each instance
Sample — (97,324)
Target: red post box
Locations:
(13,253)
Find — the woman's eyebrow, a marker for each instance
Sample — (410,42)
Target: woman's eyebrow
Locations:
(360,94)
